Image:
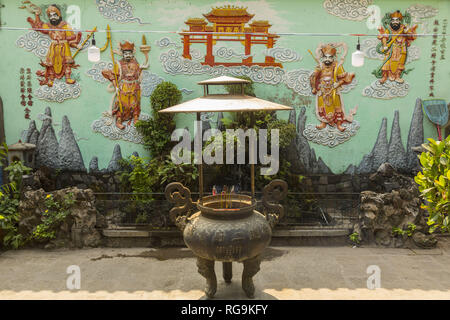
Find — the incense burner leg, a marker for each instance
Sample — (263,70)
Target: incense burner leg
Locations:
(227,272)
(206,269)
(251,267)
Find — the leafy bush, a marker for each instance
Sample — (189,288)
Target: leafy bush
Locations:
(9,220)
(140,176)
(9,202)
(15,172)
(354,238)
(434,183)
(157,130)
(249,90)
(55,213)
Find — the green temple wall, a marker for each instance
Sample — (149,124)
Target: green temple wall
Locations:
(285,16)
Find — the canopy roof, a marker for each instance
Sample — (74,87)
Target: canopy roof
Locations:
(21,146)
(224,80)
(225,103)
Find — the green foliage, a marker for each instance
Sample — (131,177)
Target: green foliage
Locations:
(249,90)
(287,132)
(397,231)
(55,213)
(3,153)
(411,228)
(9,202)
(140,176)
(354,238)
(137,175)
(157,130)
(15,172)
(9,220)
(434,183)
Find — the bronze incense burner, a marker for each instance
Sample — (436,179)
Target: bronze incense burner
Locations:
(230,231)
(239,233)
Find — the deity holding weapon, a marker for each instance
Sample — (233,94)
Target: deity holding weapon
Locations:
(395,39)
(326,82)
(59,61)
(125,77)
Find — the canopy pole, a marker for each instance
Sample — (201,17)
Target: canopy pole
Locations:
(251,156)
(200,166)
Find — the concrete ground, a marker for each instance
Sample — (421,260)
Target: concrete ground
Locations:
(286,273)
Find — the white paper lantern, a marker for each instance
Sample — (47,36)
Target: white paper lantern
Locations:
(358,58)
(93,52)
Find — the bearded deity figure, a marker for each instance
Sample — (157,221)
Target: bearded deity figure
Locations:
(126,79)
(395,39)
(326,82)
(58,62)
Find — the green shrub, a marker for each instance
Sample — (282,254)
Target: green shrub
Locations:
(9,203)
(55,213)
(354,238)
(434,183)
(156,131)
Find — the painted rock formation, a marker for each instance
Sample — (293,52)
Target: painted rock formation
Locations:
(69,153)
(402,160)
(301,156)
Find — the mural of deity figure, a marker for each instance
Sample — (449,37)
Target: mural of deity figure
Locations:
(326,82)
(58,62)
(126,79)
(395,39)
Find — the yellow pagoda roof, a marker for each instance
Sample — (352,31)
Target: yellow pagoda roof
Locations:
(261,23)
(228,11)
(198,21)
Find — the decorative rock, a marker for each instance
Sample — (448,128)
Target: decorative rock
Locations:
(424,241)
(380,150)
(116,157)
(396,155)
(47,146)
(323,180)
(366,164)
(351,169)
(34,137)
(415,137)
(386,170)
(220,124)
(32,133)
(381,212)
(77,230)
(323,168)
(69,153)
(93,165)
(301,156)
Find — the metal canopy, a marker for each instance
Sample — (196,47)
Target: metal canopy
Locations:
(225,103)
(224,80)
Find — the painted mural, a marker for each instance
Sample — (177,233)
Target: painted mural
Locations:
(52,41)
(395,39)
(117,10)
(348,9)
(326,82)
(126,79)
(265,40)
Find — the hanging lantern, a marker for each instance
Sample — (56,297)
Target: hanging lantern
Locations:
(93,51)
(358,56)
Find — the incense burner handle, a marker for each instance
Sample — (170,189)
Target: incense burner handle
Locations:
(180,196)
(274,192)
